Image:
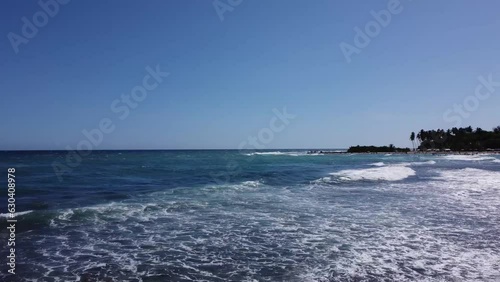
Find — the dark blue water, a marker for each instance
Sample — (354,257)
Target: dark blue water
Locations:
(246,216)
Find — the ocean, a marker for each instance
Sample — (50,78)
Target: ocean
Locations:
(279,215)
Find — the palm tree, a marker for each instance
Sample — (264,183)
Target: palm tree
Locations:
(419,139)
(422,135)
(412,138)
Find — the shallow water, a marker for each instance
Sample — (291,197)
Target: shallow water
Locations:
(256,216)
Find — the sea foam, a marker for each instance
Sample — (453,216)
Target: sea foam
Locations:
(279,153)
(379,164)
(387,173)
(469,158)
(15,214)
(471,178)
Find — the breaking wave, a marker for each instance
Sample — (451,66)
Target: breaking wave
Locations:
(379,164)
(469,158)
(15,214)
(471,178)
(279,153)
(388,173)
(384,173)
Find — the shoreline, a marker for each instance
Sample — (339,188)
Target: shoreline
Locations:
(470,153)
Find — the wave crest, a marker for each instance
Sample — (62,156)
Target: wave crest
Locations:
(279,153)
(383,173)
(469,158)
(15,214)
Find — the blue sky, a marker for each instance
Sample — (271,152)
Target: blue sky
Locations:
(226,77)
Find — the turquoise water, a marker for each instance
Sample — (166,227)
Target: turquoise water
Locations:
(255,216)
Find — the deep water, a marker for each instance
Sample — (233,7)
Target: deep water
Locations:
(254,216)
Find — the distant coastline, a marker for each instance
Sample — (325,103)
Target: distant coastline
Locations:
(455,141)
(325,152)
(377,149)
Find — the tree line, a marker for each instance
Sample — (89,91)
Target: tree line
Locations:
(377,149)
(457,139)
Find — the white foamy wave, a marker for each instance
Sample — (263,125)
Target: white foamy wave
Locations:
(415,163)
(379,164)
(387,173)
(15,214)
(254,183)
(322,180)
(235,187)
(423,163)
(279,153)
(496,161)
(470,187)
(471,178)
(469,158)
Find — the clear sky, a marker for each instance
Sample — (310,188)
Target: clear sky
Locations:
(227,76)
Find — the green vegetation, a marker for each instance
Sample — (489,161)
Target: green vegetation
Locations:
(375,149)
(459,139)
(412,139)
(455,139)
